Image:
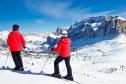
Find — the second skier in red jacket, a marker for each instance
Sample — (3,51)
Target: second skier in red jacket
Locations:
(63,48)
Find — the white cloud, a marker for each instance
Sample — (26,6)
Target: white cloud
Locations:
(56,10)
(63,9)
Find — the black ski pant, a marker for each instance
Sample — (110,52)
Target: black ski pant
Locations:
(67,62)
(17,59)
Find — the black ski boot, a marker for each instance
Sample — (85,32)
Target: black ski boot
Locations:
(56,75)
(68,77)
(16,68)
(20,69)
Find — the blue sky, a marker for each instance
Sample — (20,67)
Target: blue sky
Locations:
(47,15)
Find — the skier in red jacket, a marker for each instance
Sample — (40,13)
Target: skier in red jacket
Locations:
(63,48)
(16,43)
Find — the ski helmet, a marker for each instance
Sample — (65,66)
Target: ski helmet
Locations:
(64,33)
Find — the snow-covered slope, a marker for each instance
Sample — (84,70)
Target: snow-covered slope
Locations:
(99,63)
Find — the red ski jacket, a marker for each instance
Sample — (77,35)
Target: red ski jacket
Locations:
(15,41)
(63,47)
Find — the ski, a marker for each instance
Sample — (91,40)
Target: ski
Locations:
(50,75)
(22,72)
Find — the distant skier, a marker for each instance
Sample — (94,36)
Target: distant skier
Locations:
(16,43)
(63,48)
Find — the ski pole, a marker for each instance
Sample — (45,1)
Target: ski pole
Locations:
(45,63)
(5,64)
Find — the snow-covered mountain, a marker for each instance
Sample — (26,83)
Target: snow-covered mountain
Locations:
(91,30)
